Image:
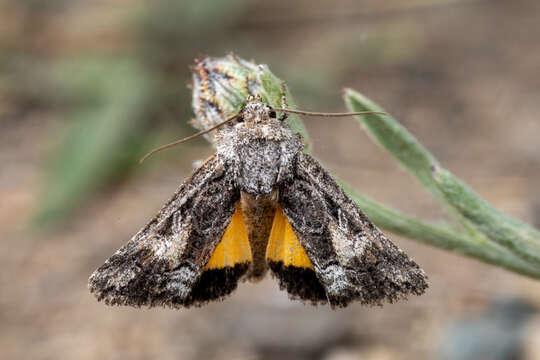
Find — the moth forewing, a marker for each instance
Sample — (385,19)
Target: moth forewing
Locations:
(353,260)
(164,264)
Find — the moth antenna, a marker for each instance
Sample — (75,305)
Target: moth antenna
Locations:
(194,136)
(314,113)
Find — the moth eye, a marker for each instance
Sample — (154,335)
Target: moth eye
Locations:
(240,119)
(272,114)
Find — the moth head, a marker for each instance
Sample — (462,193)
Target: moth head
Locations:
(257,112)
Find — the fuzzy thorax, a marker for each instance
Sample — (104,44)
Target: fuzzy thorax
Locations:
(261,157)
(258,148)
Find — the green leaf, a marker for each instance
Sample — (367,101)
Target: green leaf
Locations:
(485,233)
(517,236)
(393,137)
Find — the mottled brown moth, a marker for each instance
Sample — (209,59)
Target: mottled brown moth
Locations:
(259,203)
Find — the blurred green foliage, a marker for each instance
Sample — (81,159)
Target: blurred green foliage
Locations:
(103,141)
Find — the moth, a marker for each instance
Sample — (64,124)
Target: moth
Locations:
(258,205)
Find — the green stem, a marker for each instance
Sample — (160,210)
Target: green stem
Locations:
(449,239)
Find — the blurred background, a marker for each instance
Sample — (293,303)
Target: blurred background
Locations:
(86,88)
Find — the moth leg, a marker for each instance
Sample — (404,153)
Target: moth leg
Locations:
(246,84)
(284,105)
